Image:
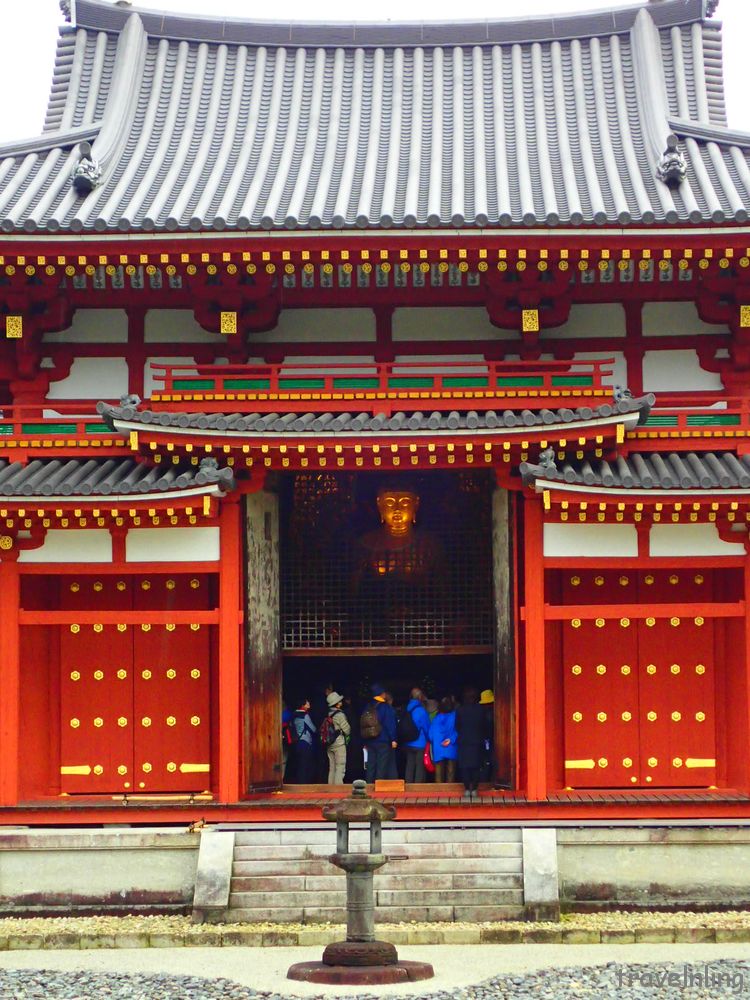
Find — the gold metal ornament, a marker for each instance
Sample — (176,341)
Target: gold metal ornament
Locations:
(677,762)
(146,675)
(145,722)
(600,623)
(699,668)
(651,668)
(601,716)
(575,623)
(122,722)
(98,769)
(122,769)
(98,627)
(75,629)
(75,675)
(626,716)
(171,674)
(171,767)
(625,669)
(602,762)
(122,674)
(674,622)
(653,762)
(627,762)
(171,721)
(651,716)
(98,722)
(700,716)
(195,720)
(98,675)
(601,669)
(75,723)
(650,622)
(195,673)
(146,768)
(577,716)
(575,581)
(675,668)
(676,716)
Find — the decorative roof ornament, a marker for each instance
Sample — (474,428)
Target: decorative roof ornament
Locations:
(65,8)
(86,175)
(711,6)
(546,460)
(130,399)
(672,167)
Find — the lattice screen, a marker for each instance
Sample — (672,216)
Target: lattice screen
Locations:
(343,589)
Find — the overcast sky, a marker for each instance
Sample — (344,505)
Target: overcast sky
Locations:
(30,30)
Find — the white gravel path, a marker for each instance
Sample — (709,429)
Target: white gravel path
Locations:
(456,966)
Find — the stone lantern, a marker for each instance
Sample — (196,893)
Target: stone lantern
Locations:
(361,959)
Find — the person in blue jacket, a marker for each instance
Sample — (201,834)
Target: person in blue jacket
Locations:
(415,771)
(443,739)
(379,748)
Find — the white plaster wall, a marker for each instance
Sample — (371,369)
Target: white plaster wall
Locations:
(177,326)
(95,326)
(595,320)
(676,371)
(315,325)
(463,323)
(619,366)
(597,540)
(92,378)
(172,544)
(71,546)
(674,319)
(691,540)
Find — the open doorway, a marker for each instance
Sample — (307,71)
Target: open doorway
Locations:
(311,678)
(385,578)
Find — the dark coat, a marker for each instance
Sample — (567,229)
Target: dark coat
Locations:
(471,726)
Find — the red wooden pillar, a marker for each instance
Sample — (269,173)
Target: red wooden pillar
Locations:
(230,652)
(746,596)
(10,687)
(535,749)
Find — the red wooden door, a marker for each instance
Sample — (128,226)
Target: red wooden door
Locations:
(171,690)
(677,684)
(600,686)
(96,691)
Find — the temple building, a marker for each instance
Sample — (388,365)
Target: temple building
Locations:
(258,277)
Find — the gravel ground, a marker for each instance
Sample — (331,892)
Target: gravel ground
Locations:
(483,972)
(135,924)
(627,981)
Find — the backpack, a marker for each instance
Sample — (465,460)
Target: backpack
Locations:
(289,734)
(408,730)
(328,732)
(369,724)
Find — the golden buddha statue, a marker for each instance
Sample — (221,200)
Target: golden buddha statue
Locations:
(398,550)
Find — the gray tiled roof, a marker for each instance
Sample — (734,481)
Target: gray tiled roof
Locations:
(706,470)
(324,424)
(105,478)
(177,123)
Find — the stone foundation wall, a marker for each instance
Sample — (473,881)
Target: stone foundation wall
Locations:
(86,871)
(654,867)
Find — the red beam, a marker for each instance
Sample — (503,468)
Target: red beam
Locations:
(563,612)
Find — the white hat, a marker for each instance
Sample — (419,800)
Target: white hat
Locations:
(334,699)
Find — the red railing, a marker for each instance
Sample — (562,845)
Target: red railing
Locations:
(367,384)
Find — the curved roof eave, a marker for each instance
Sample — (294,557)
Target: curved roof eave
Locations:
(104,16)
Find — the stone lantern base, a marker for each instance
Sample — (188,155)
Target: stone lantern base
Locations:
(360,975)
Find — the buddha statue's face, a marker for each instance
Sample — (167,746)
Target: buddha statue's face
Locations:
(398,511)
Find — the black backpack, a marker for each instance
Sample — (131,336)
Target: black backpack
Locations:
(369,724)
(408,730)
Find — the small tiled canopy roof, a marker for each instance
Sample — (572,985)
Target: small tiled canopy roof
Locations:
(107,478)
(162,122)
(706,470)
(324,424)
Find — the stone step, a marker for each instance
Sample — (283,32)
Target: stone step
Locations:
(384,915)
(397,835)
(383,897)
(289,852)
(462,897)
(418,866)
(336,882)
(286,900)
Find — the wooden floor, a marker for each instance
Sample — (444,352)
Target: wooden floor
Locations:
(445,803)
